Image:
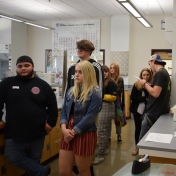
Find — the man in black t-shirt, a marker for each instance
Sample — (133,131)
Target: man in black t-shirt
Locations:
(159,93)
(31,112)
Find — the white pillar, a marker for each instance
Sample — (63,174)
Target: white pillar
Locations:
(173,87)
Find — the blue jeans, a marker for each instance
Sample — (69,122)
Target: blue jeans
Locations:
(145,126)
(26,155)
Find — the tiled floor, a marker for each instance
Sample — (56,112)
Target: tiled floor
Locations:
(119,155)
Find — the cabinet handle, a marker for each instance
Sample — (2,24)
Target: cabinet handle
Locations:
(48,147)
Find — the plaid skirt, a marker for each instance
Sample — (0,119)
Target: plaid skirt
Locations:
(107,110)
(82,144)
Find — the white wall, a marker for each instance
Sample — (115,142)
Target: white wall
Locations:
(40,39)
(120,30)
(120,26)
(173,88)
(5,31)
(142,41)
(19,42)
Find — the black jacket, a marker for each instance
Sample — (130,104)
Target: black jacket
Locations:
(29,105)
(136,98)
(99,76)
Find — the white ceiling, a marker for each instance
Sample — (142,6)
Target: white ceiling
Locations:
(34,10)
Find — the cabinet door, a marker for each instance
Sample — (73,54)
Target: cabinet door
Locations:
(127,103)
(13,171)
(58,119)
(45,153)
(55,147)
(1,140)
(2,157)
(2,165)
(55,133)
(46,139)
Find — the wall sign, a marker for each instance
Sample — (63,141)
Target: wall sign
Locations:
(66,34)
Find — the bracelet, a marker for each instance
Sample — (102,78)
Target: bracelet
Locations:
(144,84)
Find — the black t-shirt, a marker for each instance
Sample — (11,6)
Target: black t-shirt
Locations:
(29,105)
(160,105)
(111,88)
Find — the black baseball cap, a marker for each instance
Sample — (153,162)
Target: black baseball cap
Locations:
(24,59)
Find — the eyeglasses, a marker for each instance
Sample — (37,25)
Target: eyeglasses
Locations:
(80,49)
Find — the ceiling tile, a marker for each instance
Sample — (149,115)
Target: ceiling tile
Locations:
(61,9)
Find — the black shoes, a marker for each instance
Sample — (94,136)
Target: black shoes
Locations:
(119,139)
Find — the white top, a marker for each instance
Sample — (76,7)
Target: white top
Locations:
(141,106)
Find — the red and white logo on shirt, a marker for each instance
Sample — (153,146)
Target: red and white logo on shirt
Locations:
(35,90)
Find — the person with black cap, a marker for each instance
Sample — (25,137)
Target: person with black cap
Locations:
(31,112)
(159,93)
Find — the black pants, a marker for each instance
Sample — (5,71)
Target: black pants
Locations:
(138,122)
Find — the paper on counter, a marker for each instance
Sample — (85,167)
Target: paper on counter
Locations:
(158,137)
(137,77)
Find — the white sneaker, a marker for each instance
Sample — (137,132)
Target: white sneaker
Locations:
(98,160)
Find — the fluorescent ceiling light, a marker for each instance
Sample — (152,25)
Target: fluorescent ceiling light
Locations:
(26,22)
(10,18)
(131,9)
(144,22)
(36,25)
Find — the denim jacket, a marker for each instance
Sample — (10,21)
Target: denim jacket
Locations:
(84,114)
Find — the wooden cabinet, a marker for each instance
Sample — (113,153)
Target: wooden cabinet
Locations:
(46,149)
(11,170)
(55,137)
(2,157)
(127,103)
(2,165)
(51,148)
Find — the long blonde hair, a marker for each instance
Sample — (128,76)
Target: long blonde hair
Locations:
(117,71)
(138,86)
(89,81)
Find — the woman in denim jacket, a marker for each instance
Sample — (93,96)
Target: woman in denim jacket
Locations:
(81,106)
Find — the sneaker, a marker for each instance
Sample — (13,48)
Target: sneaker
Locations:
(106,152)
(98,160)
(119,139)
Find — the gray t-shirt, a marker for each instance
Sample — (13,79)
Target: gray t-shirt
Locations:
(160,105)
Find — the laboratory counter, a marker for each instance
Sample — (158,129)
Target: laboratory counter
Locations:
(160,152)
